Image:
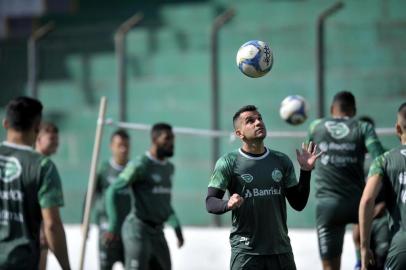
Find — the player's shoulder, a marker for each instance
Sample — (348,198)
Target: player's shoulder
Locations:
(228,158)
(315,123)
(279,155)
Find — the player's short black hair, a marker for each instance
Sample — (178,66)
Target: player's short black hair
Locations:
(158,128)
(367,119)
(246,108)
(345,101)
(48,127)
(22,113)
(402,116)
(122,133)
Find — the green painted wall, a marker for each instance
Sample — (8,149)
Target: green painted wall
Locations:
(168,79)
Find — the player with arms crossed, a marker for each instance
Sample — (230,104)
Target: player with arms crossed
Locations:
(107,174)
(30,192)
(259,180)
(47,143)
(387,172)
(339,173)
(150,180)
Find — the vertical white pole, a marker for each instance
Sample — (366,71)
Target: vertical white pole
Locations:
(92,178)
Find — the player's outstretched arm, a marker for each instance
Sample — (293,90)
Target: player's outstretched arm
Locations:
(366,215)
(215,203)
(173,220)
(55,235)
(298,195)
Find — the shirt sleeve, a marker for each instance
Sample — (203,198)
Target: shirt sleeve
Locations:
(222,174)
(377,166)
(290,178)
(128,176)
(50,190)
(372,142)
(312,127)
(173,220)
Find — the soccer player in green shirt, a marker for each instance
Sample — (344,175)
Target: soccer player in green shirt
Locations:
(387,173)
(30,192)
(108,174)
(47,143)
(339,174)
(259,181)
(150,180)
(380,227)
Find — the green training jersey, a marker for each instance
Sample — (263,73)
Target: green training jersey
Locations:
(339,171)
(108,174)
(259,224)
(151,183)
(392,167)
(28,182)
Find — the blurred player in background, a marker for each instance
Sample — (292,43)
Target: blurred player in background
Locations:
(387,172)
(30,192)
(380,226)
(339,173)
(259,181)
(106,175)
(150,179)
(47,144)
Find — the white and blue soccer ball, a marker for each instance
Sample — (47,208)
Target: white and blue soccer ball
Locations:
(294,109)
(255,58)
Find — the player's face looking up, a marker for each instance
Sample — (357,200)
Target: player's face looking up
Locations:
(120,148)
(250,126)
(165,144)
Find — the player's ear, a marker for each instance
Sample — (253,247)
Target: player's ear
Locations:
(399,130)
(5,123)
(238,133)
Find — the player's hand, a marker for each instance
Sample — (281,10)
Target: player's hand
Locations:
(181,242)
(109,238)
(235,201)
(367,258)
(307,156)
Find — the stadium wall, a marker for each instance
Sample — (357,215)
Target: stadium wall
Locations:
(168,78)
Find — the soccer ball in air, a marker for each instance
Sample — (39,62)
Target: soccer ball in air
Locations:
(294,110)
(255,58)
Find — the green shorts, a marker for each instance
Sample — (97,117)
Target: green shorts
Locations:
(145,246)
(396,259)
(332,216)
(109,255)
(380,240)
(242,261)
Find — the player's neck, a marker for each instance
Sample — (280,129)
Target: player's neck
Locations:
(256,148)
(20,138)
(120,161)
(154,153)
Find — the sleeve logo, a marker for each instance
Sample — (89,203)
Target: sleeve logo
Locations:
(10,169)
(337,130)
(247,177)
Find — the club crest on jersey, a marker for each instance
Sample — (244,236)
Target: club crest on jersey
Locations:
(403,152)
(10,169)
(337,130)
(277,175)
(156,177)
(247,177)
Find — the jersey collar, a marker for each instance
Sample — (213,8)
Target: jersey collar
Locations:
(157,161)
(264,155)
(115,165)
(18,146)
